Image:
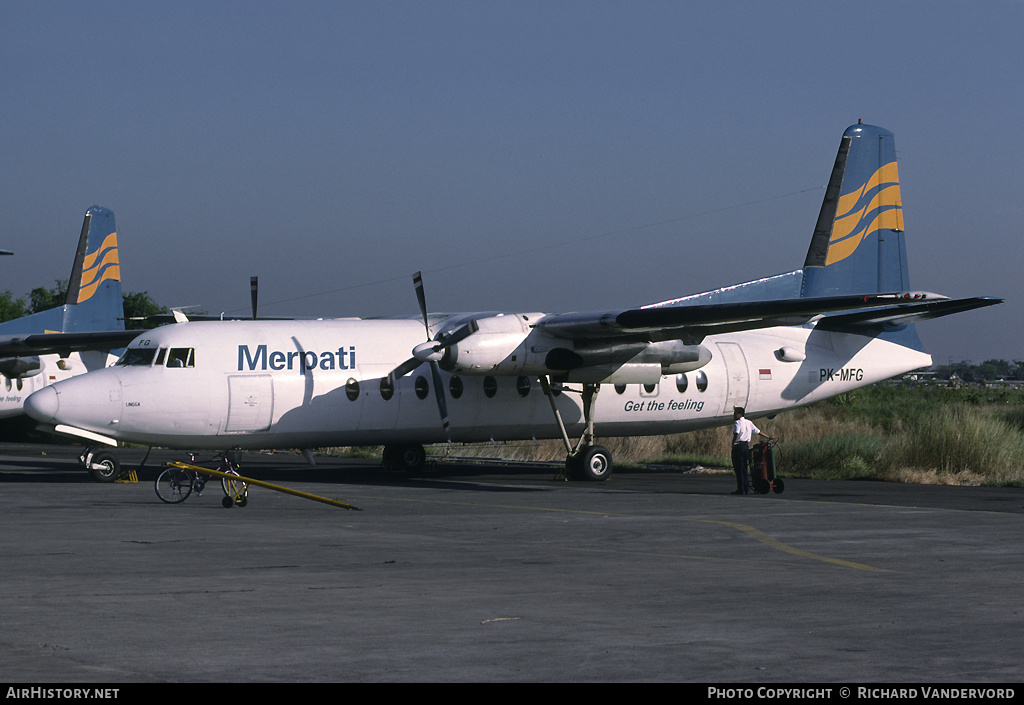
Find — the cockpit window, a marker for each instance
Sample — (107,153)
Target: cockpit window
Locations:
(137,356)
(181,357)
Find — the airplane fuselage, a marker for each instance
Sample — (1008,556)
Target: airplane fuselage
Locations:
(275,384)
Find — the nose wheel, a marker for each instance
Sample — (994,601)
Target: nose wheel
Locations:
(103,466)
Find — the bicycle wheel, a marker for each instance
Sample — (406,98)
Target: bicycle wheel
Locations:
(235,491)
(174,485)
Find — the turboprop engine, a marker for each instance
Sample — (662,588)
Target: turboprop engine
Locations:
(497,346)
(20,367)
(509,344)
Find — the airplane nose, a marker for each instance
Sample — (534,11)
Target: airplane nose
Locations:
(43,405)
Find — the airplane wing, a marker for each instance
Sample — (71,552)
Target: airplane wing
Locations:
(65,343)
(902,315)
(691,323)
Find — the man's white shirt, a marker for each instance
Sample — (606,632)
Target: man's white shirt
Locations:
(745,428)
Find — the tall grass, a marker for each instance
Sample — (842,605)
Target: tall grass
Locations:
(934,435)
(887,432)
(960,444)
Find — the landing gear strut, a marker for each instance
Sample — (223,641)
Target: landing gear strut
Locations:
(585,461)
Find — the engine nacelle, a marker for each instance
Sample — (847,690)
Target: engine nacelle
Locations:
(627,363)
(673,355)
(496,347)
(508,344)
(20,367)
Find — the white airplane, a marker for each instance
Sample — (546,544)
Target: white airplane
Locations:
(54,345)
(843,321)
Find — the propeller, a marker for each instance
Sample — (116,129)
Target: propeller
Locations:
(432,351)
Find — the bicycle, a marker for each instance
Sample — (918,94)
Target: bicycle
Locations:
(176,484)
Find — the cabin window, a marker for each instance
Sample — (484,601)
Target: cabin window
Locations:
(490,387)
(387,388)
(649,388)
(352,389)
(181,357)
(702,381)
(137,356)
(682,382)
(620,389)
(422,387)
(523,386)
(455,386)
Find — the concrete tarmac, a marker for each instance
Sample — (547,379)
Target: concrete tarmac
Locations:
(486,573)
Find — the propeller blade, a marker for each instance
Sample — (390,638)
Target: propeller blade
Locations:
(442,405)
(458,335)
(428,352)
(254,287)
(417,280)
(405,368)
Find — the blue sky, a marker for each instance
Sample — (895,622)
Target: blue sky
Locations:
(534,156)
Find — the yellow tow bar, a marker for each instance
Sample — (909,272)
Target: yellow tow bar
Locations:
(259,483)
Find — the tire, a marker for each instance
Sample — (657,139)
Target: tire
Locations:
(593,463)
(410,457)
(104,466)
(173,485)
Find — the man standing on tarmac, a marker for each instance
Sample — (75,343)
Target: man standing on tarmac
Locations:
(743,430)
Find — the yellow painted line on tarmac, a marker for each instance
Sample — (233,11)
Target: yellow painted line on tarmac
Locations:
(773,542)
(756,534)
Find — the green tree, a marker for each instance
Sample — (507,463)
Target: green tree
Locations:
(43,299)
(139,305)
(10,307)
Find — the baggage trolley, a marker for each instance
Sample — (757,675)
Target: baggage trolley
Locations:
(764,462)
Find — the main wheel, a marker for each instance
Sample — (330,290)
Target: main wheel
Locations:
(103,466)
(592,463)
(174,485)
(410,457)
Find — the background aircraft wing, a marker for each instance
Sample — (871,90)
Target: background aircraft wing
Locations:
(65,343)
(691,323)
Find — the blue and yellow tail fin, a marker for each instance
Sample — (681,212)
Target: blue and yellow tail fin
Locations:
(857,246)
(93,301)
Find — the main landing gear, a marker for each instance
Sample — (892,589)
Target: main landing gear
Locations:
(409,457)
(585,460)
